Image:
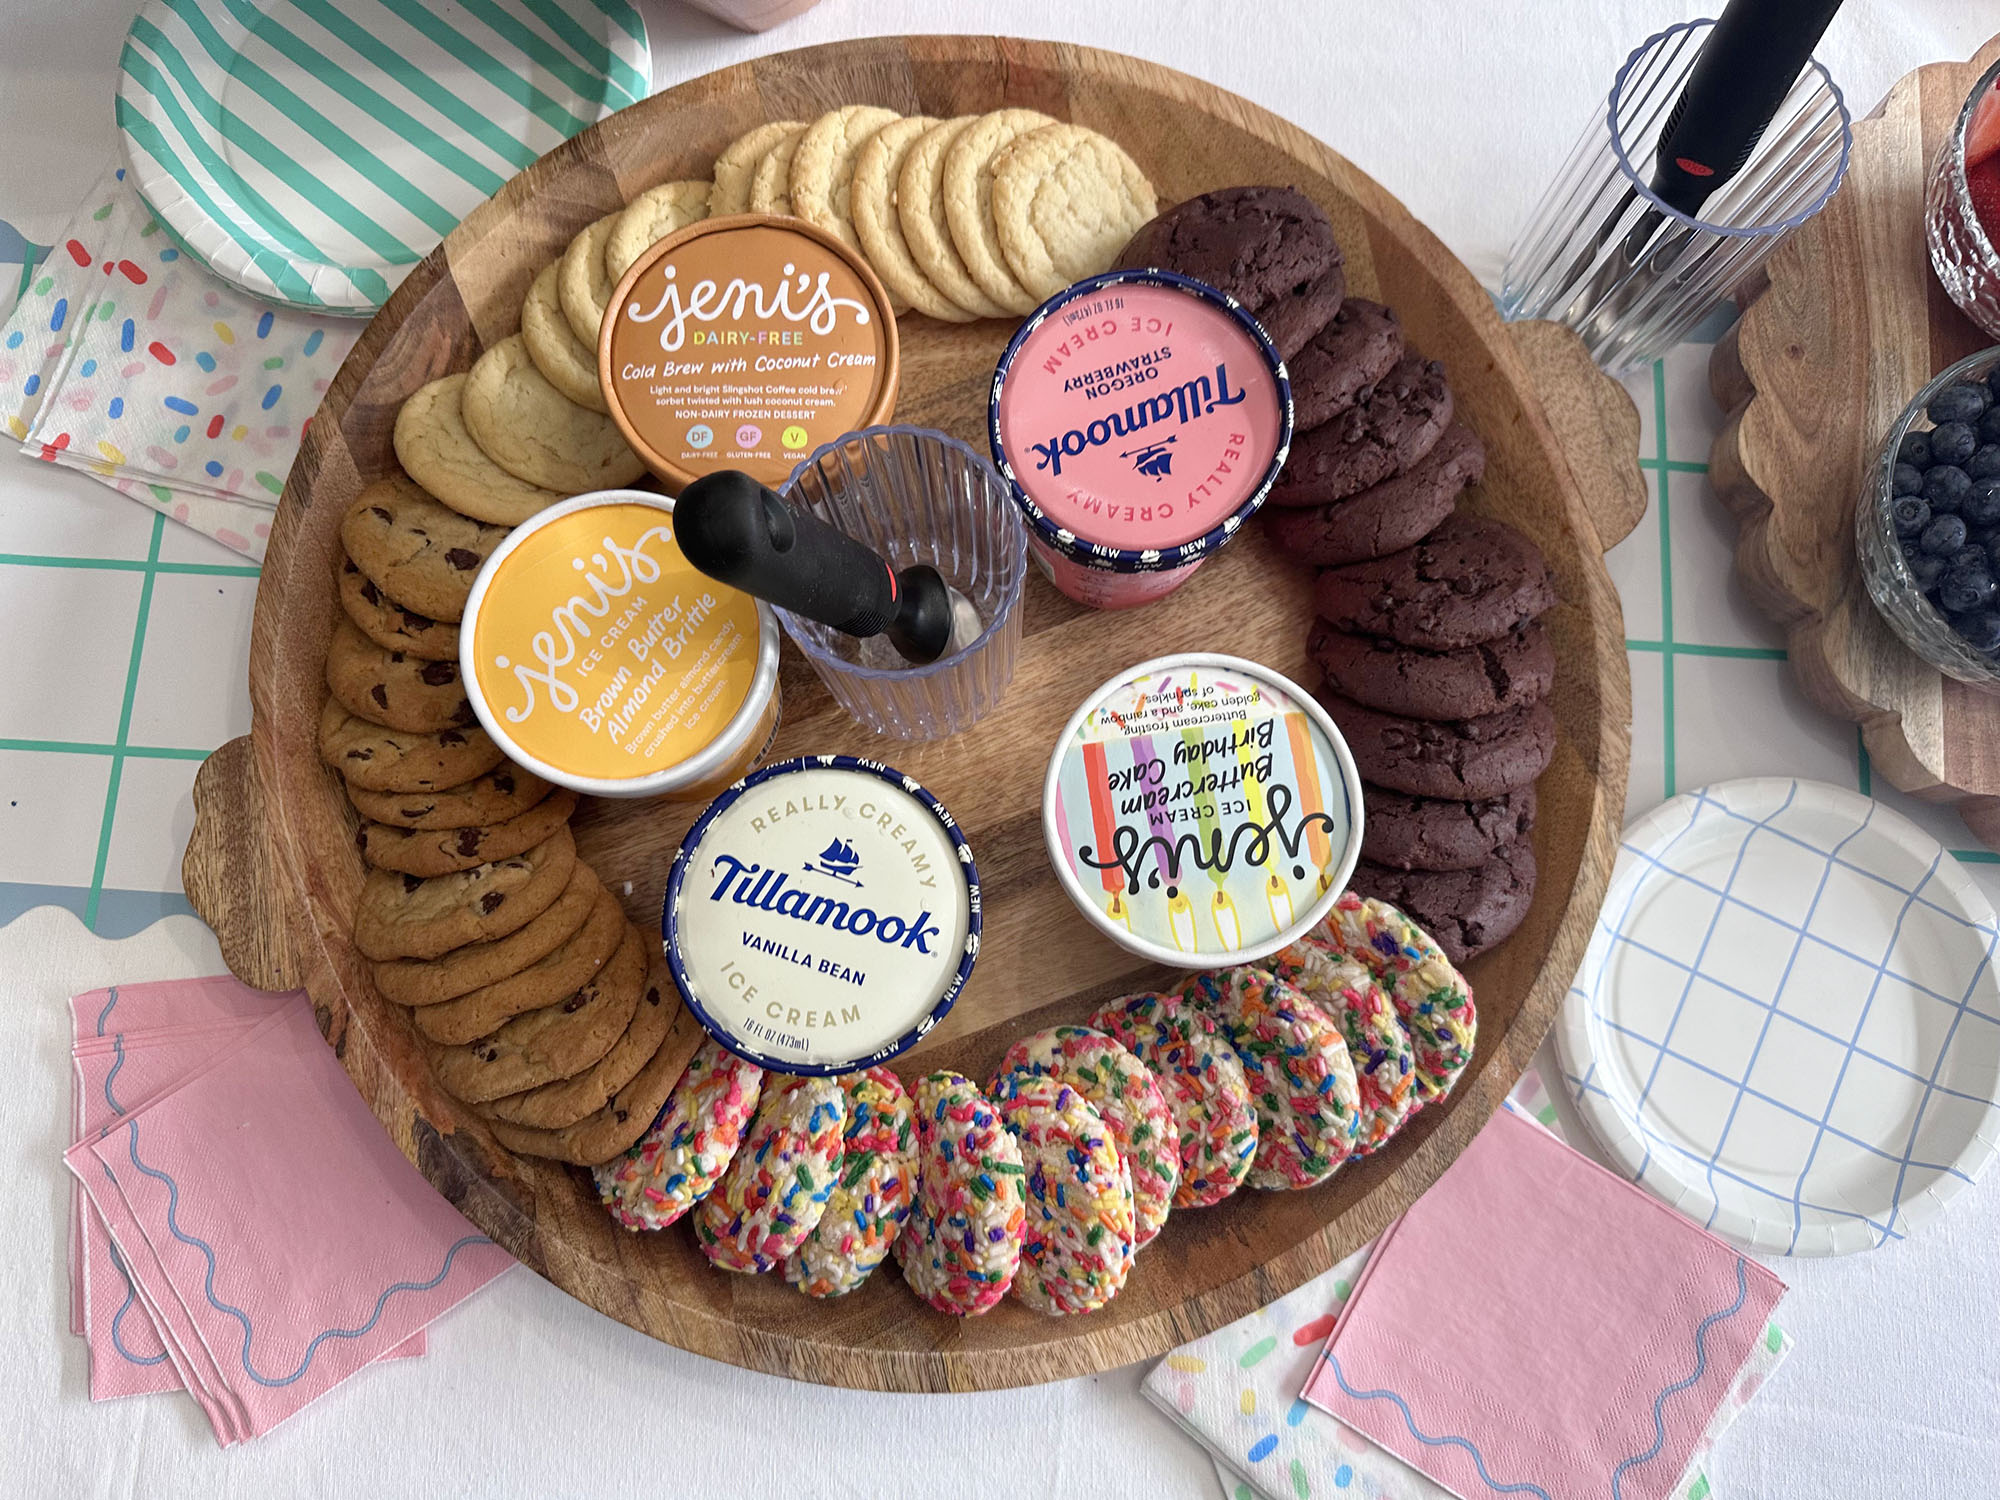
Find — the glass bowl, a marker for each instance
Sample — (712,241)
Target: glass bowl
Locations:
(1920,623)
(917,496)
(1962,251)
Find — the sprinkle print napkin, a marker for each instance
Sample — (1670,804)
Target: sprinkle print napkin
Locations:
(1237,1392)
(250,1232)
(128,361)
(1609,1329)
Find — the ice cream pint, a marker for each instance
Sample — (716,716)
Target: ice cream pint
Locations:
(601,660)
(745,342)
(1140,418)
(822,915)
(1202,811)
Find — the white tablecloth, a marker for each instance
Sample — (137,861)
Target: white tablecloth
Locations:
(1463,111)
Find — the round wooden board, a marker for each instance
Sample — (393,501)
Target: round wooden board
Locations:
(1849,327)
(273,866)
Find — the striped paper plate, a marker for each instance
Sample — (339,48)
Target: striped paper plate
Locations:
(312,151)
(1787,1024)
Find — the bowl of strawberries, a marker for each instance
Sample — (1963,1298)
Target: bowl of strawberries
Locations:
(1962,206)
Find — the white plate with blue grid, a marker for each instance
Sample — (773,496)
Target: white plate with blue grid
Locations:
(1787,1024)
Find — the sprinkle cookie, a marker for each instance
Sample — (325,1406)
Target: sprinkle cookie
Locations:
(871,1198)
(1431,997)
(1126,1095)
(775,1191)
(1077,1249)
(961,1247)
(1202,1079)
(678,1160)
(1377,1044)
(1300,1075)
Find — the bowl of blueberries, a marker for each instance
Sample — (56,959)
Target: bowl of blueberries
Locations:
(1928,525)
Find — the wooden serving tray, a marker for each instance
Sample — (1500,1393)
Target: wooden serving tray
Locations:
(273,866)
(1849,327)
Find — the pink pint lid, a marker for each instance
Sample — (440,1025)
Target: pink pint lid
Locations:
(1140,418)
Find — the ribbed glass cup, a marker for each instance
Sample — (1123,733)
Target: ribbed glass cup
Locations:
(917,496)
(1962,252)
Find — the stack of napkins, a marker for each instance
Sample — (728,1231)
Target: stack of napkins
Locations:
(127,360)
(1242,1391)
(245,1228)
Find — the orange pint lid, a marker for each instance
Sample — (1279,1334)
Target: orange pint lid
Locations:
(745,342)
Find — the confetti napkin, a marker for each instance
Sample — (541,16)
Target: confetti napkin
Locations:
(1237,1391)
(262,1238)
(1537,1325)
(127,360)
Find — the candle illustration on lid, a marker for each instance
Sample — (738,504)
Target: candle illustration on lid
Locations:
(1097,780)
(1306,772)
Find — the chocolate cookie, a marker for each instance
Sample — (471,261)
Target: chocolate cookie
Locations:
(391,761)
(1340,364)
(392,689)
(1269,247)
(1377,438)
(505,792)
(1466,761)
(417,851)
(550,979)
(1467,911)
(1506,672)
(407,916)
(596,1138)
(1389,516)
(416,982)
(557,1041)
(388,624)
(1401,832)
(1468,581)
(419,551)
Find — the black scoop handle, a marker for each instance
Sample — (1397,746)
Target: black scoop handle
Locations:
(740,533)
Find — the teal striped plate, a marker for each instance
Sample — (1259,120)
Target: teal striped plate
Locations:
(312,151)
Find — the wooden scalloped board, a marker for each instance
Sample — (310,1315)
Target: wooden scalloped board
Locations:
(1849,326)
(273,867)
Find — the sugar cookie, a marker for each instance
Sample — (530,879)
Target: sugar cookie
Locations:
(648,219)
(433,444)
(926,230)
(565,361)
(736,168)
(537,434)
(1065,201)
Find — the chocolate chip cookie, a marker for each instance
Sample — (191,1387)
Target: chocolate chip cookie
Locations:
(1341,363)
(408,916)
(1468,581)
(1401,832)
(414,548)
(1269,247)
(1377,438)
(417,982)
(388,624)
(557,1041)
(1464,761)
(1389,516)
(392,762)
(551,978)
(596,1138)
(393,689)
(505,792)
(1467,911)
(414,851)
(1506,672)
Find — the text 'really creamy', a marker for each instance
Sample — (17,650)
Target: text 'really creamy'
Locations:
(823,915)
(1140,418)
(601,660)
(744,343)
(1202,810)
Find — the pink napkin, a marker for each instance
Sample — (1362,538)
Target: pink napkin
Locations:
(1610,1329)
(263,1223)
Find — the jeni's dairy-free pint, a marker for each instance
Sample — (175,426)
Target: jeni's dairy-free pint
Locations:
(1140,418)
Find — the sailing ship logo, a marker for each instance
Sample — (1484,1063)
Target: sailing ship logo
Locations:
(837,861)
(1155,459)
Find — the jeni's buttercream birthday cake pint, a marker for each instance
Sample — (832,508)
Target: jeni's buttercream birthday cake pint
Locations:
(1140,418)
(1202,811)
(823,915)
(745,343)
(598,657)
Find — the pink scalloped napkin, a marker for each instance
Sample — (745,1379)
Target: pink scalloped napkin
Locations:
(1609,1329)
(268,1230)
